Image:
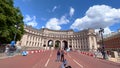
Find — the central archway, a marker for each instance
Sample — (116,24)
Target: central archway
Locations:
(65,45)
(57,44)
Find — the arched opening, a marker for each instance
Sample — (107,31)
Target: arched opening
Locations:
(57,44)
(65,45)
(50,43)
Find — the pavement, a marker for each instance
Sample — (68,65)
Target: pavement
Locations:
(46,59)
(117,60)
(4,56)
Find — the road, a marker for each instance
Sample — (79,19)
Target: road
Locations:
(47,59)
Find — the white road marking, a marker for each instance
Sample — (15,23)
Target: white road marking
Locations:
(69,56)
(47,62)
(78,63)
(51,55)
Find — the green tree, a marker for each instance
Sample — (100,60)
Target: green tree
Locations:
(9,17)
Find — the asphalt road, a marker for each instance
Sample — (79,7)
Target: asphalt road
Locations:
(47,59)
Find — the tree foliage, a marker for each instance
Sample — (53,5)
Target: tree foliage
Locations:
(9,17)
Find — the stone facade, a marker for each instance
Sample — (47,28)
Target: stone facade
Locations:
(84,40)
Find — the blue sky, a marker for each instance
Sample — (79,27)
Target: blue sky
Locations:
(71,14)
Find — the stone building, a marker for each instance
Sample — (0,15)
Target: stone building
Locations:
(84,40)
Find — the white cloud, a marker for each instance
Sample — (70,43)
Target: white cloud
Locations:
(30,20)
(107,30)
(55,23)
(98,16)
(72,10)
(54,8)
(43,27)
(63,20)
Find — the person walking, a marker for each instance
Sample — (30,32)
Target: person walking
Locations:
(62,55)
(58,55)
(7,50)
(64,63)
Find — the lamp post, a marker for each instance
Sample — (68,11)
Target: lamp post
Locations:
(17,27)
(101,31)
(12,48)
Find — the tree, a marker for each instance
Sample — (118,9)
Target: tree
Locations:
(9,17)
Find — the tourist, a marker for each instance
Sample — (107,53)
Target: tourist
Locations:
(7,50)
(64,64)
(58,55)
(62,55)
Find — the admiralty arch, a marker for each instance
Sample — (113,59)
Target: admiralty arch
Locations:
(45,38)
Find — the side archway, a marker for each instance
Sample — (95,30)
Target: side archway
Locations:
(65,45)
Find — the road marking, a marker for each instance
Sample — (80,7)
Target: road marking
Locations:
(47,62)
(51,55)
(69,56)
(48,59)
(78,63)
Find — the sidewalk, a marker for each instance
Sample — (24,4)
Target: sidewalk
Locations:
(3,55)
(117,60)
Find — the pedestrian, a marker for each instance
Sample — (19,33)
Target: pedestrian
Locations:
(64,64)
(95,54)
(12,50)
(62,55)
(108,53)
(103,54)
(58,55)
(7,50)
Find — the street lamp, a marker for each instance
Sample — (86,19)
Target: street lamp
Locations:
(12,47)
(13,42)
(17,27)
(101,31)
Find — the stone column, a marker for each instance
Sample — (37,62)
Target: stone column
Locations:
(61,46)
(53,43)
(95,43)
(24,40)
(68,44)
